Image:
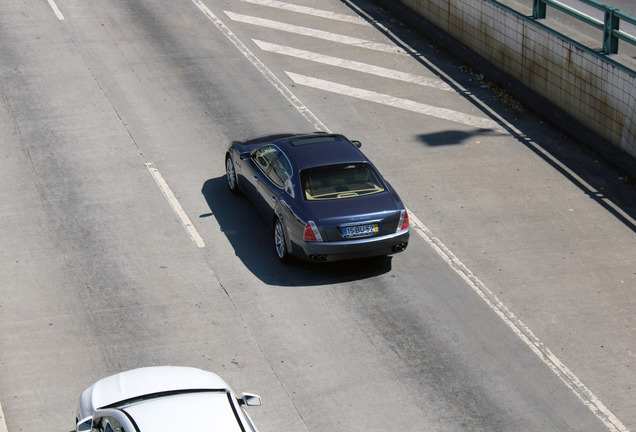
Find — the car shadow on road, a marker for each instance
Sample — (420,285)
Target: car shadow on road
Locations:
(453,137)
(252,241)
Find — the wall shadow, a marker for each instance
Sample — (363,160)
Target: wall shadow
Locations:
(252,242)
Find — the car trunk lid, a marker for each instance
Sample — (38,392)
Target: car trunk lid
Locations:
(357,217)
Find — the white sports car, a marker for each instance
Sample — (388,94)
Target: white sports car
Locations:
(164,398)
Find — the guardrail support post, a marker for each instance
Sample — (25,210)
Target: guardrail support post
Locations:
(539,8)
(610,42)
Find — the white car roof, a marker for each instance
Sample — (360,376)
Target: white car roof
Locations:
(150,380)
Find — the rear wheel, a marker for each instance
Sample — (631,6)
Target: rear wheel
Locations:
(230,173)
(279,241)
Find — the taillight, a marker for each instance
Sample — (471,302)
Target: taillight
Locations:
(311,232)
(404,221)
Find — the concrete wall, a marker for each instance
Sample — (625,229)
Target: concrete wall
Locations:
(595,90)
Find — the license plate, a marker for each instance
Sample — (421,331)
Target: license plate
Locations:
(359,230)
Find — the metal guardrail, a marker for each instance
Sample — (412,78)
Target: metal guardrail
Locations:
(610,26)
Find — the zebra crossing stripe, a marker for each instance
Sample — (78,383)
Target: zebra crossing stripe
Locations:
(353,65)
(319,34)
(310,11)
(405,104)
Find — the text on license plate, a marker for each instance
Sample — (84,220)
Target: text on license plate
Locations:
(360,230)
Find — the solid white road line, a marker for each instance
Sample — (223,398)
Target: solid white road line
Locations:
(417,107)
(353,65)
(319,34)
(56,10)
(185,220)
(334,16)
(296,103)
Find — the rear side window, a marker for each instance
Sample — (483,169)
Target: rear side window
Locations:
(274,164)
(340,181)
(265,155)
(281,170)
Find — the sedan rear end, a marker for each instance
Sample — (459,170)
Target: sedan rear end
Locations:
(355,214)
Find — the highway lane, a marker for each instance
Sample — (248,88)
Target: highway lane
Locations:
(102,275)
(95,260)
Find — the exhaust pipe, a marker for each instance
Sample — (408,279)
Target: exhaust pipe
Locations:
(320,258)
(399,248)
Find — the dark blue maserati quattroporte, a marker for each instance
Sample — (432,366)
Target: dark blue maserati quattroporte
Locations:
(324,199)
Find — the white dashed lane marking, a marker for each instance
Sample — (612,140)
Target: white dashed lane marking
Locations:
(183,217)
(56,10)
(3,424)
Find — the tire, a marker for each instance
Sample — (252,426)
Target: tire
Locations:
(230,175)
(280,242)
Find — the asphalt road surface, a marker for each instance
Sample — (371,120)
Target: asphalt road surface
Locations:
(120,246)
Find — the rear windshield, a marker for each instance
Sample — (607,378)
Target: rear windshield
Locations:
(340,181)
(314,139)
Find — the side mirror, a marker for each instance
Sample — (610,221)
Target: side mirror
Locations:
(357,143)
(85,425)
(245,156)
(249,399)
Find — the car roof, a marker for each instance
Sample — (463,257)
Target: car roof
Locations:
(151,380)
(315,149)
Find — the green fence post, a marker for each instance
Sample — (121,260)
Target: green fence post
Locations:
(612,22)
(539,9)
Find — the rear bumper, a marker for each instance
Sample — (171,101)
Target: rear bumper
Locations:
(352,249)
